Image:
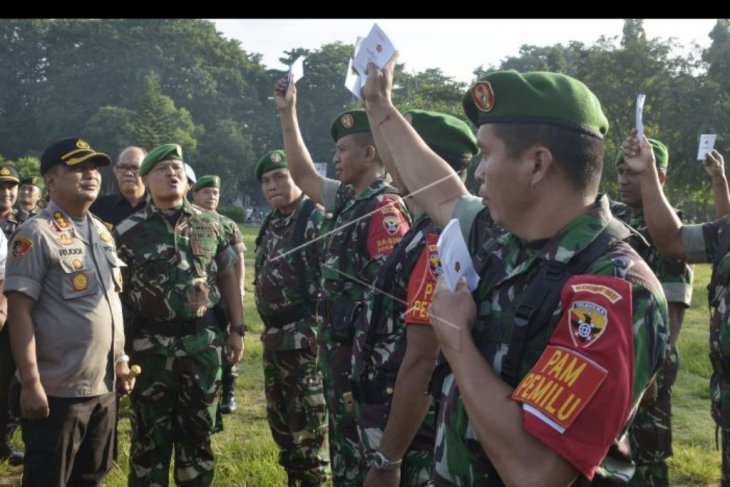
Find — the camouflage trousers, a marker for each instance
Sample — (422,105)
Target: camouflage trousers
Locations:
(417,466)
(348,466)
(295,408)
(651,431)
(173,405)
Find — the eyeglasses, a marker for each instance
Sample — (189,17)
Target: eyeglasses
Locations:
(125,168)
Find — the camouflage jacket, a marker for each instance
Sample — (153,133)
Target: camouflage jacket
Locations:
(642,325)
(348,268)
(231,230)
(675,275)
(287,280)
(171,271)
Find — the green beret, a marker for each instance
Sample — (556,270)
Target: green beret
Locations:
(445,134)
(36,181)
(276,159)
(661,154)
(537,97)
(208,181)
(349,122)
(165,152)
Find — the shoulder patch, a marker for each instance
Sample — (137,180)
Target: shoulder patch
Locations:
(559,386)
(21,246)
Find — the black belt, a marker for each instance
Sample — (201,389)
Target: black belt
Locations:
(177,328)
(287,315)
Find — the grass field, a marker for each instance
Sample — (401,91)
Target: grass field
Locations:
(246,454)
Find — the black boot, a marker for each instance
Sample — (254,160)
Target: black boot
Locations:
(228,401)
(7,451)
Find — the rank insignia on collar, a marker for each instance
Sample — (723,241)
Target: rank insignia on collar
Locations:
(60,219)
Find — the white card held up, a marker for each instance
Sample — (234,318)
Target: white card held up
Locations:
(376,48)
(296,72)
(455,259)
(640,98)
(707,143)
(352,81)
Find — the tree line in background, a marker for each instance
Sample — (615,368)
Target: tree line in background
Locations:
(147,82)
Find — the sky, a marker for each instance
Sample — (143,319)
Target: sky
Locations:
(457,46)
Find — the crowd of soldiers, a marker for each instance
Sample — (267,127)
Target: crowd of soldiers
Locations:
(556,368)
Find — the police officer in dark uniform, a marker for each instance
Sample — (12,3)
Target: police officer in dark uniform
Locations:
(30,192)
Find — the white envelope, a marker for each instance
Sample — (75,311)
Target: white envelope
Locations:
(707,143)
(455,259)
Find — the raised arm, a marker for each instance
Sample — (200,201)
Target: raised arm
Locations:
(663,223)
(434,186)
(301,166)
(715,167)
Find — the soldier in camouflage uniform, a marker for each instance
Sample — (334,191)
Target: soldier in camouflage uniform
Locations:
(651,430)
(206,195)
(708,242)
(368,219)
(286,285)
(396,417)
(179,266)
(567,324)
(9,222)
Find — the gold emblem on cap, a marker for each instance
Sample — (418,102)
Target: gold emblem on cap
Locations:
(482,95)
(80,281)
(82,144)
(275,157)
(77,264)
(5,172)
(347,121)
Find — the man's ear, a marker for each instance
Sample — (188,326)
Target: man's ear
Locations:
(542,162)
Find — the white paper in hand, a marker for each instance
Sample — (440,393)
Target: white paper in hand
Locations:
(707,143)
(296,72)
(455,259)
(376,48)
(352,81)
(640,98)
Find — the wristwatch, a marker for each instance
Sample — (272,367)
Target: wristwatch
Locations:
(380,462)
(240,329)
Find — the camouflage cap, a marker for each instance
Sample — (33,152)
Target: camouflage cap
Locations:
(276,159)
(165,152)
(8,174)
(349,122)
(70,152)
(536,97)
(445,134)
(207,181)
(661,154)
(36,181)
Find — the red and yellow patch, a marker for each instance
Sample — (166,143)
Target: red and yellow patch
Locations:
(79,281)
(391,220)
(482,95)
(588,321)
(560,385)
(60,219)
(434,262)
(605,291)
(21,246)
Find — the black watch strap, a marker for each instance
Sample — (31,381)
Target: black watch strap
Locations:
(240,329)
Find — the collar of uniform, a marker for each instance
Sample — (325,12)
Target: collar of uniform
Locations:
(374,187)
(60,219)
(579,233)
(282,219)
(150,210)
